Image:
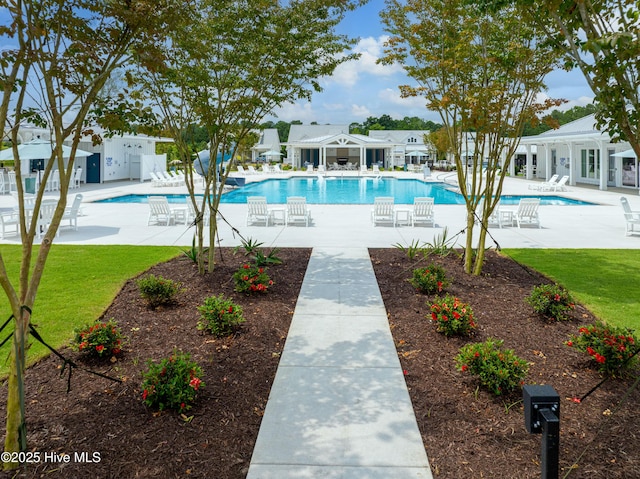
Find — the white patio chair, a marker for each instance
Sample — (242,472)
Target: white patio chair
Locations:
(297,210)
(45,217)
(545,184)
(191,214)
(363,169)
(631,217)
(161,213)
(498,217)
(321,170)
(258,211)
(527,212)
(13,186)
(169,180)
(71,213)
(77,177)
(9,220)
(266,169)
(423,212)
(155,179)
(276,169)
(251,170)
(383,211)
(55,180)
(241,170)
(376,169)
(310,168)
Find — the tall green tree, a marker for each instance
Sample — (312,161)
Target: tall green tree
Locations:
(601,39)
(60,54)
(480,69)
(230,65)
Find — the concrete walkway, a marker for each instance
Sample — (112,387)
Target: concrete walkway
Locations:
(339,406)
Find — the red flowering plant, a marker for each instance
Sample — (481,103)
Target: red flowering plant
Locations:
(173,383)
(613,349)
(551,301)
(220,316)
(101,339)
(499,370)
(251,278)
(452,317)
(432,279)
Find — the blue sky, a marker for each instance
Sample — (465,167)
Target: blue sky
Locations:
(360,89)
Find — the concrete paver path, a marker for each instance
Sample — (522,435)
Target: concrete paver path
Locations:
(339,406)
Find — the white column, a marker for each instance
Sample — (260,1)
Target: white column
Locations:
(572,166)
(529,163)
(547,161)
(604,166)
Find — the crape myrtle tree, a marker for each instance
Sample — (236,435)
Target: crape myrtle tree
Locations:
(601,38)
(481,69)
(56,59)
(230,65)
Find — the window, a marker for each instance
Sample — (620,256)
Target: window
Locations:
(590,164)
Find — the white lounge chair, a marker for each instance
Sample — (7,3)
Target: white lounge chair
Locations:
(363,169)
(161,213)
(545,184)
(631,217)
(276,169)
(169,180)
(297,211)
(527,212)
(258,211)
(251,170)
(560,185)
(383,211)
(499,217)
(266,168)
(241,170)
(71,213)
(321,170)
(376,169)
(423,212)
(156,180)
(77,178)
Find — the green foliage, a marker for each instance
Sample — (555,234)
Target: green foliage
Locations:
(412,250)
(193,253)
(250,278)
(157,290)
(452,317)
(432,279)
(250,246)
(264,260)
(102,339)
(172,384)
(441,245)
(499,370)
(551,301)
(613,349)
(220,316)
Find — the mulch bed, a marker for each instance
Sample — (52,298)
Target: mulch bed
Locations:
(466,431)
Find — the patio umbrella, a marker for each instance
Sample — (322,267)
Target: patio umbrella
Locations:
(416,153)
(38,150)
(271,153)
(625,154)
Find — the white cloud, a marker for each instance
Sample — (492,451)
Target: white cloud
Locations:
(296,111)
(370,49)
(360,111)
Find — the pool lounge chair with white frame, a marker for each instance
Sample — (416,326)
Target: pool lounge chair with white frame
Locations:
(9,221)
(258,211)
(527,212)
(631,217)
(545,184)
(423,212)
(298,211)
(383,212)
(560,185)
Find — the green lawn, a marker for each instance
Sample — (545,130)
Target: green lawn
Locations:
(79,283)
(607,282)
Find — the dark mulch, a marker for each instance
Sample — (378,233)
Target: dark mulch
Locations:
(467,432)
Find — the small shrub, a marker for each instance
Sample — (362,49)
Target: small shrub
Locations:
(102,339)
(551,301)
(611,348)
(452,317)
(157,290)
(499,370)
(220,316)
(173,383)
(432,279)
(251,278)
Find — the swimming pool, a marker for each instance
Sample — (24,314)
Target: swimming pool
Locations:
(346,191)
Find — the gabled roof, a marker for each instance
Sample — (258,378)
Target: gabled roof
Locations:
(341,139)
(298,133)
(269,140)
(400,136)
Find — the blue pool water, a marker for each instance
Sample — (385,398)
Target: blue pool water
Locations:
(346,191)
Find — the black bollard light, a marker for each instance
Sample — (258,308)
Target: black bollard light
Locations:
(542,416)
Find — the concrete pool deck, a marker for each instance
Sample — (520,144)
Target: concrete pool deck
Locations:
(576,226)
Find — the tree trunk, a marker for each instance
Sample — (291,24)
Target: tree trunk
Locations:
(479,260)
(468,250)
(15,439)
